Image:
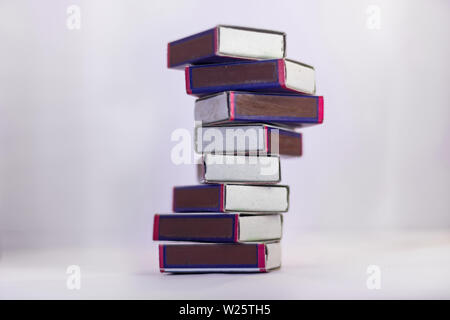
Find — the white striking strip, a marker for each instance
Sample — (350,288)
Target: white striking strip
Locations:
(260,228)
(256,198)
(241,168)
(300,77)
(212,109)
(250,43)
(273,255)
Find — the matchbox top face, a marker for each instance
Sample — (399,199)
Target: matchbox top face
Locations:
(277,76)
(231,198)
(217,227)
(226,44)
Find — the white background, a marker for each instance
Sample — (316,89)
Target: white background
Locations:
(86,118)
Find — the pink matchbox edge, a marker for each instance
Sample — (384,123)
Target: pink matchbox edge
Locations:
(156,227)
(236,228)
(232,106)
(222,200)
(261,257)
(320,120)
(188,84)
(161,258)
(281,73)
(168,55)
(216,40)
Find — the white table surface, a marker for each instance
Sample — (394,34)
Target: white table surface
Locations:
(315,266)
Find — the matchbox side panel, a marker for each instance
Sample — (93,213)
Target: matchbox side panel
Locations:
(218,228)
(198,49)
(289,143)
(244,75)
(213,258)
(290,109)
(193,49)
(267,76)
(199,198)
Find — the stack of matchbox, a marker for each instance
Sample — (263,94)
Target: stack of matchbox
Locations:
(250,100)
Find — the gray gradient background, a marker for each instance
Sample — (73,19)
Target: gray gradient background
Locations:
(86,116)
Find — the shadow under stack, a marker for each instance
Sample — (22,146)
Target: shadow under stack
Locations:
(250,100)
